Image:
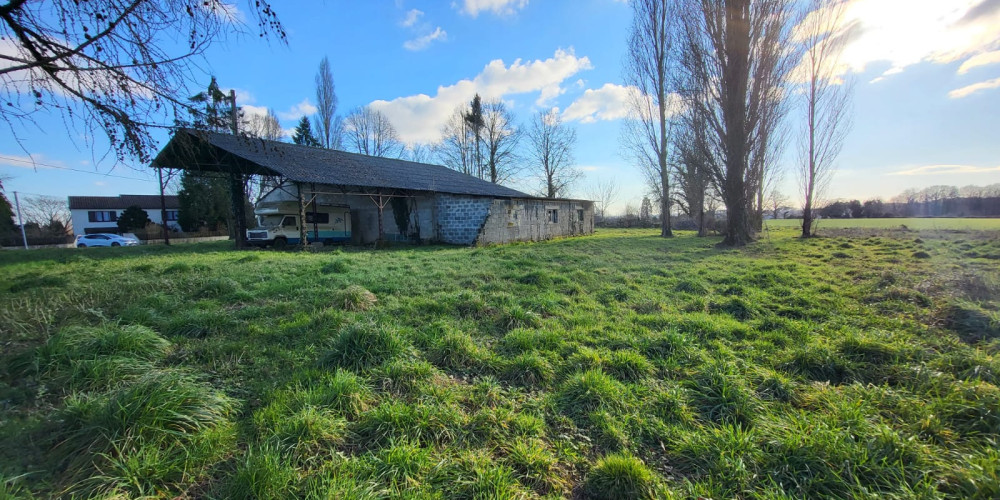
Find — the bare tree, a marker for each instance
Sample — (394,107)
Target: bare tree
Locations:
(652,56)
(368,131)
(736,59)
(51,211)
(826,98)
(550,148)
(692,173)
(776,201)
(500,140)
(456,148)
(326,107)
(263,126)
(418,153)
(604,194)
(111,66)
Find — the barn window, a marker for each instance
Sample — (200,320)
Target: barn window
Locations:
(553,215)
(579,215)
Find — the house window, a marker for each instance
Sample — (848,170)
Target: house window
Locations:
(102,216)
(172,215)
(553,215)
(579,215)
(317,218)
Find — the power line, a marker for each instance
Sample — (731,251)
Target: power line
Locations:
(49,165)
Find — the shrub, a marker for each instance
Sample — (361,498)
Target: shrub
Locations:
(619,476)
(357,298)
(364,345)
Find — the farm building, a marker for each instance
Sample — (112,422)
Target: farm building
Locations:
(417,201)
(99,214)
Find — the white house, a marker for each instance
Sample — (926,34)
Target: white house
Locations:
(99,214)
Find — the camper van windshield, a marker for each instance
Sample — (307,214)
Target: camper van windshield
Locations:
(269,220)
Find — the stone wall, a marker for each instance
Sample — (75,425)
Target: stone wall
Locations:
(535,220)
(460,218)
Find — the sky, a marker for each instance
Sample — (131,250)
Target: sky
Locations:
(925,108)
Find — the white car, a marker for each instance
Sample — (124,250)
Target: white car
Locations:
(105,240)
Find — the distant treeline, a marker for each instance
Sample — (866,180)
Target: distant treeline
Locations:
(933,201)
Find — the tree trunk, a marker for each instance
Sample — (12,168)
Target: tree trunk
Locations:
(163,208)
(303,235)
(807,220)
(238,196)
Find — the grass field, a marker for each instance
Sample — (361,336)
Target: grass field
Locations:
(615,366)
(923,223)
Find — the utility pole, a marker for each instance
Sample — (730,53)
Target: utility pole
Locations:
(17,203)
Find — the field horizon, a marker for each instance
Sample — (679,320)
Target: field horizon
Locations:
(863,363)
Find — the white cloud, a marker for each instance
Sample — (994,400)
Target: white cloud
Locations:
(610,102)
(906,32)
(411,18)
(946,170)
(304,108)
(975,87)
(422,42)
(250,110)
(419,118)
(498,7)
(984,59)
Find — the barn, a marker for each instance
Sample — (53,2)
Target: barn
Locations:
(409,201)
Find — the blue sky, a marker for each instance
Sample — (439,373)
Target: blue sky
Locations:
(927,91)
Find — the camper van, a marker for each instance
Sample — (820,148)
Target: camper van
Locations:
(278,224)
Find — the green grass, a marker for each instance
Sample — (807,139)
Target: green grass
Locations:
(916,223)
(861,364)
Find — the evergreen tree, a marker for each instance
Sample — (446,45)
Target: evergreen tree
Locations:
(475,123)
(204,200)
(304,135)
(131,218)
(211,109)
(7,224)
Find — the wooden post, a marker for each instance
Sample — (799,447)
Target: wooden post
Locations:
(315,208)
(163,208)
(303,236)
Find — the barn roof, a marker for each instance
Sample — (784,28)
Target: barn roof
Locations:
(121,202)
(210,151)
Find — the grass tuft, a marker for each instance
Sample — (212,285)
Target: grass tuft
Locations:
(357,298)
(365,345)
(618,476)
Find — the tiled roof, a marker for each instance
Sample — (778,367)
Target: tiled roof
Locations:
(322,166)
(121,202)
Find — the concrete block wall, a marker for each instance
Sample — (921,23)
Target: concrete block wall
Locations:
(528,220)
(460,218)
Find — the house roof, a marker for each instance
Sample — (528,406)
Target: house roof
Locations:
(121,202)
(210,151)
